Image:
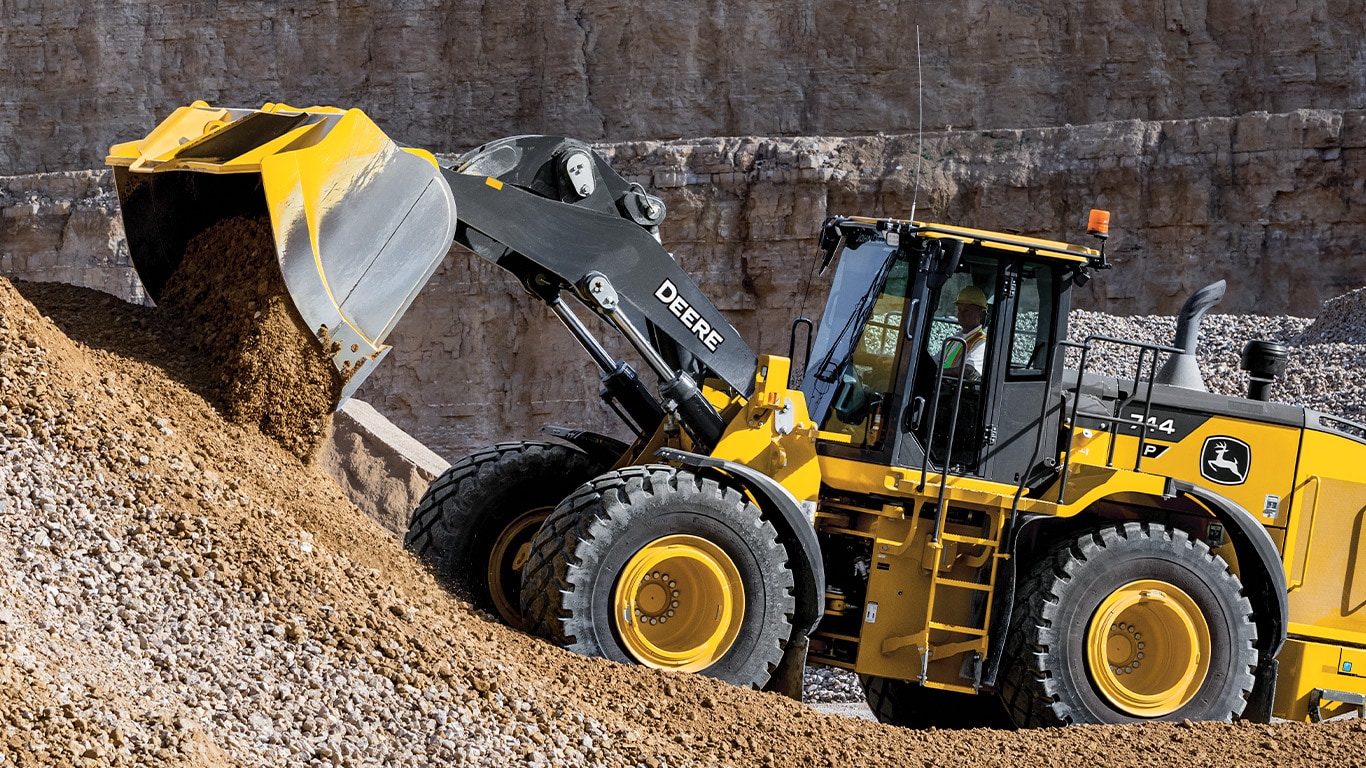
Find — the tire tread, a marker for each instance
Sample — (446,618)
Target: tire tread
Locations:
(1032,694)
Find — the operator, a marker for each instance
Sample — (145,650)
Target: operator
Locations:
(967,361)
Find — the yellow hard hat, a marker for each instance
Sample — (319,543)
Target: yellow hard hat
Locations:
(972,295)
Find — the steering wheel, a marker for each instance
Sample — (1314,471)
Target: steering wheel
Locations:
(854,400)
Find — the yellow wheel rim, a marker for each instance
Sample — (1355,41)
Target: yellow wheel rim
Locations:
(1148,648)
(679,603)
(506,558)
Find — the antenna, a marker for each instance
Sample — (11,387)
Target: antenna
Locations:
(920,121)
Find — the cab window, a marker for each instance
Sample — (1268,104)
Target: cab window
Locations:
(858,349)
(1032,326)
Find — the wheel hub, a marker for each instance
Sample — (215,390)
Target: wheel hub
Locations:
(1124,648)
(506,558)
(679,603)
(656,598)
(1148,648)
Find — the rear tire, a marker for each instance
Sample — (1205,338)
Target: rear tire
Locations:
(1129,623)
(475,518)
(911,705)
(655,565)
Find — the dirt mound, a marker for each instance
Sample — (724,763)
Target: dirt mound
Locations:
(267,367)
(182,591)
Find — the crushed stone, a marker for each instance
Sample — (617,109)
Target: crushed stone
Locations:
(182,590)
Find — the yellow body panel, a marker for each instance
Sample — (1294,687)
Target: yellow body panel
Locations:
(1306,665)
(774,433)
(1269,479)
(1326,539)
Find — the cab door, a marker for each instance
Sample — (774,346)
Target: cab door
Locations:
(993,424)
(1021,419)
(945,404)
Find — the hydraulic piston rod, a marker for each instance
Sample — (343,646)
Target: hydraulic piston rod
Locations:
(681,394)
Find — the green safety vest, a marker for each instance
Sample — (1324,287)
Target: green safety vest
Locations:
(973,339)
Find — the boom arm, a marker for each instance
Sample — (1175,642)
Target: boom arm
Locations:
(552,212)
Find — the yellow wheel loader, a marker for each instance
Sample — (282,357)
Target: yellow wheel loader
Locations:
(981,527)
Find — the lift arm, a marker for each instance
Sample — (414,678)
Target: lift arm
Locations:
(553,213)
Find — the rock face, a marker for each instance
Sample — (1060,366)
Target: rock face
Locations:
(1269,202)
(444,74)
(65,227)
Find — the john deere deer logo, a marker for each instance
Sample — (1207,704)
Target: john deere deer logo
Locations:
(1225,460)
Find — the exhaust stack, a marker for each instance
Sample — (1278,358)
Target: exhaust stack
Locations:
(1183,370)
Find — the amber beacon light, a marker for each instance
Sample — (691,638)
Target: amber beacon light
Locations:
(1099,223)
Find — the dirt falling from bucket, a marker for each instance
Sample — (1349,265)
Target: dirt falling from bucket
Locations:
(266,368)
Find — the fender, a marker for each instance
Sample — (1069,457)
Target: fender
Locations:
(601,448)
(1259,560)
(1263,577)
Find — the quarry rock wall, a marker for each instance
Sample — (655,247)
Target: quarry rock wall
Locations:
(1270,202)
(446,74)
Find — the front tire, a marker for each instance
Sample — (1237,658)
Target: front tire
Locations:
(655,565)
(1129,623)
(476,518)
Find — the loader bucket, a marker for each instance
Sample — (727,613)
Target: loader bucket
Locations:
(359,224)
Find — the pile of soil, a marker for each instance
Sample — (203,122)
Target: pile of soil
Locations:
(267,368)
(183,591)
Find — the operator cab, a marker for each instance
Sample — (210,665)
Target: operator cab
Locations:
(893,375)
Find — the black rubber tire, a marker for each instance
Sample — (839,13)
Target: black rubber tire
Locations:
(1046,681)
(583,547)
(911,705)
(459,519)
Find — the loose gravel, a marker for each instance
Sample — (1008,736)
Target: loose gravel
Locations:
(265,367)
(1327,354)
(181,590)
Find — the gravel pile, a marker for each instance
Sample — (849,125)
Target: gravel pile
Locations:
(181,590)
(1326,355)
(169,604)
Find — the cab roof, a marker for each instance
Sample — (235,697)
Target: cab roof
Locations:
(1003,241)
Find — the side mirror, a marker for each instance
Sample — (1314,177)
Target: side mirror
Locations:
(944,263)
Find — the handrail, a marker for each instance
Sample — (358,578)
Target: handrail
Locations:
(949,343)
(1143,426)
